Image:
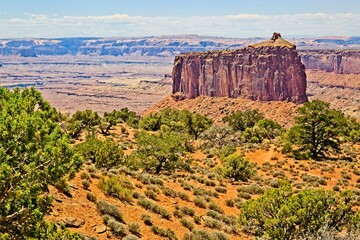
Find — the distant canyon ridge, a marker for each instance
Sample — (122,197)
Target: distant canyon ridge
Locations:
(337,54)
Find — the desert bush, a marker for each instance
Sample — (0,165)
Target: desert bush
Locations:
(110,119)
(322,181)
(176,120)
(105,154)
(240,120)
(215,207)
(197,219)
(187,211)
(147,219)
(213,223)
(187,223)
(168,233)
(274,183)
(85,183)
(91,197)
(117,228)
(160,151)
(84,175)
(288,215)
(200,202)
(221,189)
(183,196)
(169,192)
(210,183)
(217,137)
(111,210)
(226,151)
(200,234)
(117,186)
(221,217)
(244,195)
(152,195)
(252,189)
(237,167)
(148,205)
(229,202)
(134,228)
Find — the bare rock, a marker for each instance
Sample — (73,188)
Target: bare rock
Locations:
(100,229)
(73,222)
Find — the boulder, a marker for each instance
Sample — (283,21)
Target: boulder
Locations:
(73,222)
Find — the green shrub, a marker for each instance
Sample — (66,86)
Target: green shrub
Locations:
(84,175)
(240,120)
(237,167)
(288,215)
(105,154)
(117,186)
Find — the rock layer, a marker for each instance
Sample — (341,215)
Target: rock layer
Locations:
(342,62)
(270,71)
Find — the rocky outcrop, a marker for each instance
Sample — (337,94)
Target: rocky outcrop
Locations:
(268,71)
(342,62)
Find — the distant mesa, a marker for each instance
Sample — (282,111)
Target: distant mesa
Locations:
(267,71)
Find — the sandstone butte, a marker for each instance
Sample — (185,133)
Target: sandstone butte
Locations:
(268,71)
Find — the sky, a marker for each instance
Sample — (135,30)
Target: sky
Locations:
(137,18)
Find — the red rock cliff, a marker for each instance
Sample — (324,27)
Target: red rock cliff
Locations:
(269,71)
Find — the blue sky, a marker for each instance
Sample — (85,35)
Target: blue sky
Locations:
(127,18)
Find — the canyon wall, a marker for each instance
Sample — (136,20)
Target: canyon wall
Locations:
(265,72)
(341,62)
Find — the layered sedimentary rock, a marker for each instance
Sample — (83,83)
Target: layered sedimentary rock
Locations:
(342,62)
(269,71)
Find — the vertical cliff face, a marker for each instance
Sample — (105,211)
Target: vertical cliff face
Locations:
(269,71)
(341,62)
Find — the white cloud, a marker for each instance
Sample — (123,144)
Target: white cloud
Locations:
(241,25)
